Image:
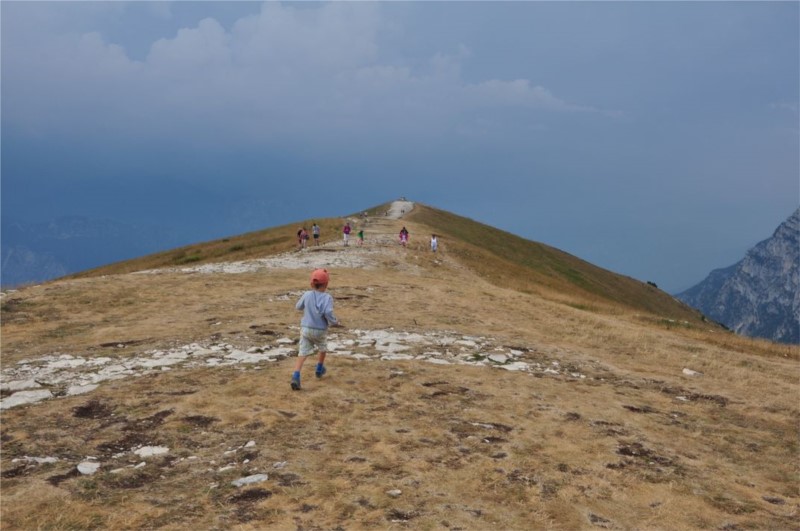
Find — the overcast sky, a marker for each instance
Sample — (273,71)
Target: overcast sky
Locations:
(656,139)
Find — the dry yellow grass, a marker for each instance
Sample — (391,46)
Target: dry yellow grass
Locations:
(635,444)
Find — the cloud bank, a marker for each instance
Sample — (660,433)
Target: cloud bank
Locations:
(285,73)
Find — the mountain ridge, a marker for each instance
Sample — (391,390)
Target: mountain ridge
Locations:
(461,392)
(759,296)
(499,256)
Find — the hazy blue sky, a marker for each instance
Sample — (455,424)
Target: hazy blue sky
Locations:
(656,139)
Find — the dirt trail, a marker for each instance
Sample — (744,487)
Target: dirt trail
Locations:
(380,238)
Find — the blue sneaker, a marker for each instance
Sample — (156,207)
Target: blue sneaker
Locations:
(320,370)
(296,381)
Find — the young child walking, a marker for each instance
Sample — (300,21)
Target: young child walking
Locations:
(317,308)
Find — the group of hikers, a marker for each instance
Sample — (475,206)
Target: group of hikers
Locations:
(346,230)
(303,237)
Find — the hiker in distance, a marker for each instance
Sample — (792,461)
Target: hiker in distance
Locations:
(434,243)
(315,232)
(302,237)
(403,236)
(317,308)
(346,233)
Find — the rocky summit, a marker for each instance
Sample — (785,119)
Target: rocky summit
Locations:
(760,295)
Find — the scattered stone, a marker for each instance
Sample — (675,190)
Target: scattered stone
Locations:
(25,397)
(149,451)
(516,366)
(249,480)
(73,390)
(88,468)
(498,358)
(394,493)
(19,385)
(774,500)
(690,372)
(396,357)
(38,460)
(78,375)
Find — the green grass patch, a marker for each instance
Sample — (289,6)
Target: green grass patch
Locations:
(188,259)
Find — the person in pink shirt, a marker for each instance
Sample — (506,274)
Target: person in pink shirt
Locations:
(346,232)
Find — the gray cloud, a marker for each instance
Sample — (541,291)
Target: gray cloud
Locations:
(285,70)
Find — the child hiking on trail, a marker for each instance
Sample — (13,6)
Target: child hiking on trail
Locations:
(361,237)
(317,308)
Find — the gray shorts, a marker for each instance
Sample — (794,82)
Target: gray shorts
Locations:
(313,340)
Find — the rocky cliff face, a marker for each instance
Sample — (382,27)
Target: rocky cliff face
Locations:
(760,295)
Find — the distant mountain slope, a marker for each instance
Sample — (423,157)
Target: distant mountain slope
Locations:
(760,295)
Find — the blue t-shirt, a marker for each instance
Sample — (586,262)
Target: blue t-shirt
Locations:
(317,308)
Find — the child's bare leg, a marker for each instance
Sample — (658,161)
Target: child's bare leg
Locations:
(298,365)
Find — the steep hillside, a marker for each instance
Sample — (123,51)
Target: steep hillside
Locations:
(454,398)
(760,295)
(517,263)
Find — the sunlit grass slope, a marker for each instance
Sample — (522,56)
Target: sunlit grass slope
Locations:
(514,262)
